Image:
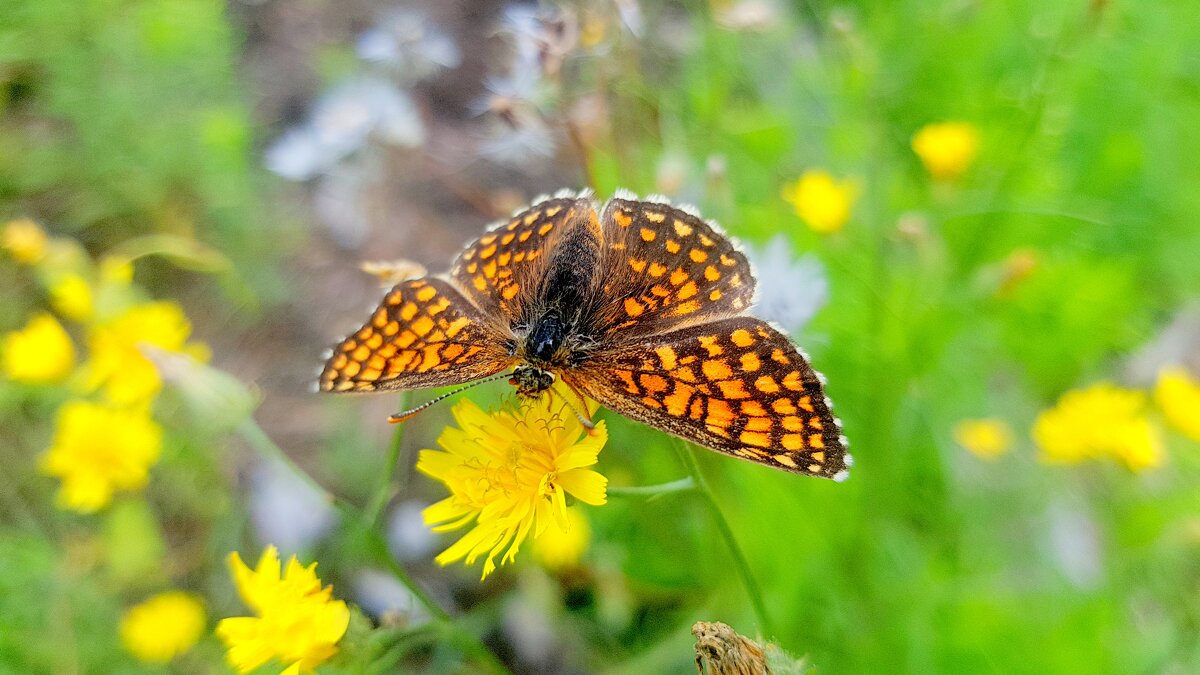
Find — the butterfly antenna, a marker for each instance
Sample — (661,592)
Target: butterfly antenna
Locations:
(586,422)
(409,414)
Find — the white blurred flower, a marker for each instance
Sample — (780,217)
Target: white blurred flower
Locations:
(519,140)
(790,291)
(542,36)
(409,538)
(382,596)
(285,510)
(410,47)
(341,123)
(1075,545)
(339,202)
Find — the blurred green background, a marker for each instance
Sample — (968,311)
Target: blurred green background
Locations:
(245,157)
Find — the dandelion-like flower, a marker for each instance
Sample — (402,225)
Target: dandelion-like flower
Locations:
(99,450)
(162,627)
(1178,395)
(947,149)
(117,362)
(821,201)
(510,473)
(1099,421)
(24,240)
(39,353)
(798,288)
(985,438)
(296,620)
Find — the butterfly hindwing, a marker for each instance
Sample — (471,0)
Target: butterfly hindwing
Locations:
(737,386)
(423,334)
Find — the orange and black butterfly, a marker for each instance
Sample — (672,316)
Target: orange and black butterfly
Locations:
(637,305)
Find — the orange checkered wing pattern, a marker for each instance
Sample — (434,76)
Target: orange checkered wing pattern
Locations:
(737,386)
(667,268)
(423,334)
(500,271)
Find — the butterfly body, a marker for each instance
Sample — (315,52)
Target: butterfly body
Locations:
(638,305)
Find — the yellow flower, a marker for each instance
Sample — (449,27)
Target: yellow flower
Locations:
(162,627)
(119,366)
(510,473)
(24,240)
(72,297)
(1178,395)
(1099,421)
(559,548)
(946,148)
(39,353)
(986,438)
(98,450)
(297,621)
(820,201)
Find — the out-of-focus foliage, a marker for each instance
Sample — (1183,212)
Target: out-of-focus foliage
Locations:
(978,218)
(125,118)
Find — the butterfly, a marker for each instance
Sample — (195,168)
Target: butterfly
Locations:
(638,305)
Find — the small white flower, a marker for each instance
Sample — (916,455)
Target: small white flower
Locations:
(519,141)
(409,46)
(382,596)
(285,510)
(298,155)
(791,291)
(342,123)
(1075,544)
(344,117)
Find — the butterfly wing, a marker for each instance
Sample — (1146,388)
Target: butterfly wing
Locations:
(736,386)
(423,334)
(500,271)
(667,268)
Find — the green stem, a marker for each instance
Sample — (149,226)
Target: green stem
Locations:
(386,490)
(681,485)
(466,641)
(687,455)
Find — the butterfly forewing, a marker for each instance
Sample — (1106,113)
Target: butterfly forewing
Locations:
(737,386)
(500,271)
(423,334)
(667,268)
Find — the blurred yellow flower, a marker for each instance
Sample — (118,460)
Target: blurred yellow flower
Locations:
(510,473)
(560,547)
(1101,420)
(297,621)
(24,240)
(820,201)
(162,627)
(120,367)
(1178,395)
(986,438)
(98,450)
(39,353)
(72,297)
(947,149)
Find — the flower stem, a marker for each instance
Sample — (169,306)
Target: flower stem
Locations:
(687,454)
(682,485)
(386,490)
